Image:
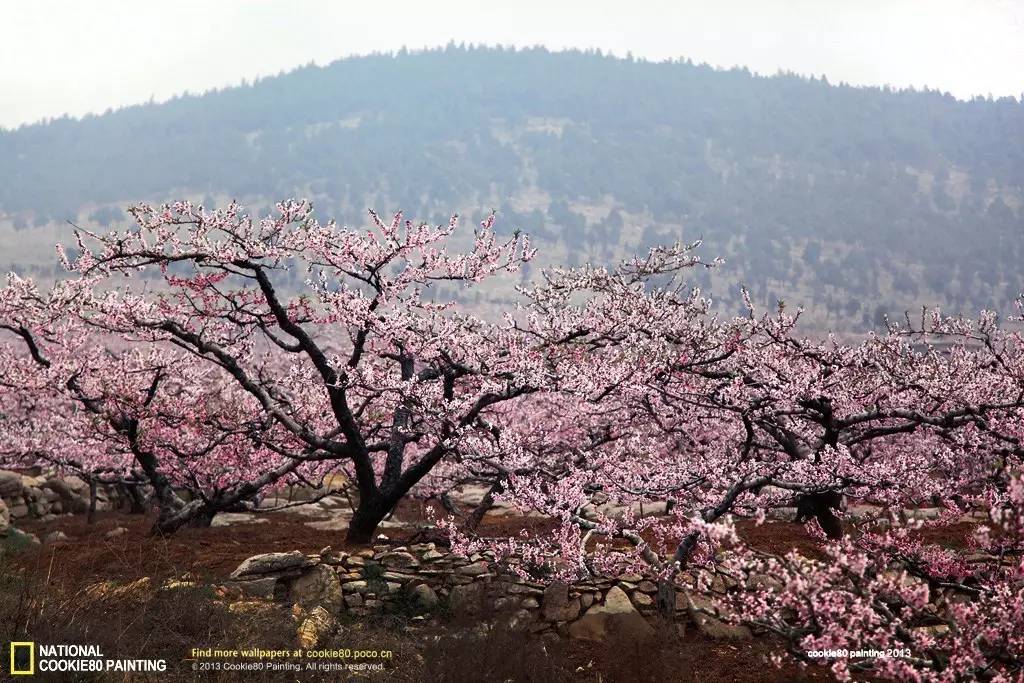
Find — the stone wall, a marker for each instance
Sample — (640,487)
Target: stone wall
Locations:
(44,496)
(424,580)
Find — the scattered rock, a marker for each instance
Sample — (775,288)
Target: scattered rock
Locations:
(317,626)
(251,607)
(711,626)
(115,532)
(229,518)
(55,537)
(333,524)
(392,523)
(138,591)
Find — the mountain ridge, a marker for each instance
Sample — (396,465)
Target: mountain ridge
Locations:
(851,201)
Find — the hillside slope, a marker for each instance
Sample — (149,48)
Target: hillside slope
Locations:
(850,201)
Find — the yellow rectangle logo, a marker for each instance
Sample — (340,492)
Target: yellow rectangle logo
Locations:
(23,659)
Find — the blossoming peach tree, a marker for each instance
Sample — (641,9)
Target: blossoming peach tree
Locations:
(180,354)
(112,412)
(715,422)
(216,369)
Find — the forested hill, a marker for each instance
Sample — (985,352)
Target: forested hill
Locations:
(850,201)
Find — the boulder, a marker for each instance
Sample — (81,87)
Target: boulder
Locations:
(291,564)
(258,588)
(115,532)
(616,617)
(642,599)
(5,517)
(399,559)
(423,596)
(319,585)
(557,605)
(10,484)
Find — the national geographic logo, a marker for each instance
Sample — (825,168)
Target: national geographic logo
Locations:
(23,659)
(28,659)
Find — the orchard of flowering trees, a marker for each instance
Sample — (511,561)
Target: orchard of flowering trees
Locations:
(173,356)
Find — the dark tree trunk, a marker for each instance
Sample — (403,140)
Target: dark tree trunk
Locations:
(135,497)
(196,514)
(485,504)
(369,513)
(203,519)
(820,506)
(667,599)
(91,517)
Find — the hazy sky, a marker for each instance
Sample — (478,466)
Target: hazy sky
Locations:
(80,57)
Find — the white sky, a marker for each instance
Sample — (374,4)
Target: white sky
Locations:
(79,57)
